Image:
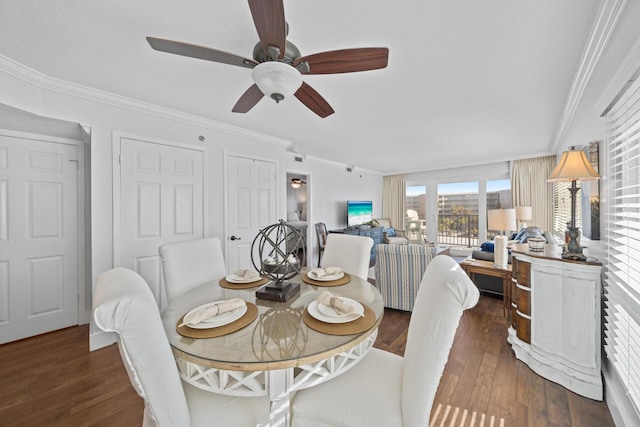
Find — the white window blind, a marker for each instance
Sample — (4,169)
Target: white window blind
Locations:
(562,207)
(622,234)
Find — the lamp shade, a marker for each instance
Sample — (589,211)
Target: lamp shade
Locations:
(501,219)
(277,79)
(524,213)
(573,166)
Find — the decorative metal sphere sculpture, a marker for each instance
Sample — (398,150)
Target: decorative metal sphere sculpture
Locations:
(278,250)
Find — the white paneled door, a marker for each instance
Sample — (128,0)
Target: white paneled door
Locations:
(161,201)
(251,194)
(38,237)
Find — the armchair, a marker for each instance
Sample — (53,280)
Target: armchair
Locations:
(399,270)
(390,235)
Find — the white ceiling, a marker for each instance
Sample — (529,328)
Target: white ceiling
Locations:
(468,82)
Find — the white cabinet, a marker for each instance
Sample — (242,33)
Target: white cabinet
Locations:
(557,331)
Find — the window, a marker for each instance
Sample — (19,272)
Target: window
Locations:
(416,200)
(622,236)
(498,197)
(458,214)
(499,194)
(562,207)
(416,205)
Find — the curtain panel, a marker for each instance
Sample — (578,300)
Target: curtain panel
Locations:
(394,189)
(529,187)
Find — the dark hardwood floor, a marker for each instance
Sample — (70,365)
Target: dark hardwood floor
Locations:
(53,380)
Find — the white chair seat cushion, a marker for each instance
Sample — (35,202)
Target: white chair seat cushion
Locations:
(369,394)
(209,409)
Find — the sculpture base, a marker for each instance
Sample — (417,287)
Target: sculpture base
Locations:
(278,291)
(577,256)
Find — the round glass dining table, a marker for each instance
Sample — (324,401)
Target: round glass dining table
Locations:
(275,354)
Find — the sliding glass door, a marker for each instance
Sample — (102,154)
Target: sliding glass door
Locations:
(458,214)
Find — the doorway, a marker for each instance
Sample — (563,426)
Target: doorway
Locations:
(40,234)
(251,205)
(160,194)
(298,202)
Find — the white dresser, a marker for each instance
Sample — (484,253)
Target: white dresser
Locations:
(555,315)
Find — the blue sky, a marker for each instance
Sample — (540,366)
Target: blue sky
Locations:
(461,187)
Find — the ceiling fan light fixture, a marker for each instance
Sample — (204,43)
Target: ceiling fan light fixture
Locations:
(296,182)
(277,79)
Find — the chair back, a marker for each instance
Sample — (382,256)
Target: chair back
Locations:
(190,263)
(321,233)
(399,270)
(383,222)
(124,304)
(351,253)
(445,292)
(412,214)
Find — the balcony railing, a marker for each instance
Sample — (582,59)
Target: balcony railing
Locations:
(458,230)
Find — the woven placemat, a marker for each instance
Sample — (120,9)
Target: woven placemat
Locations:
(246,319)
(357,326)
(328,283)
(224,283)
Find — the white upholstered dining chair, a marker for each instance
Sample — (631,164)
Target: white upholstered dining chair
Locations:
(190,263)
(385,389)
(124,304)
(351,253)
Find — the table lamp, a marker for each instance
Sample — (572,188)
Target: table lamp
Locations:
(573,166)
(524,214)
(501,220)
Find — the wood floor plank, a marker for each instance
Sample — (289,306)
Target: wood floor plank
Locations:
(53,380)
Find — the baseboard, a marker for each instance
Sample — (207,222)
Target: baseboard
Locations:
(101,339)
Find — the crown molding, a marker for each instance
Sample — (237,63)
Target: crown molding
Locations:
(605,24)
(462,165)
(626,74)
(50,84)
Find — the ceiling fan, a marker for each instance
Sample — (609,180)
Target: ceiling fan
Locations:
(277,63)
(297,182)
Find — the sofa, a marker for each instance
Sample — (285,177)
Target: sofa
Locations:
(486,249)
(485,253)
(390,235)
(399,270)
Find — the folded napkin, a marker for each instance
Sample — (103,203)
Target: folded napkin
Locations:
(319,273)
(247,274)
(340,305)
(213,310)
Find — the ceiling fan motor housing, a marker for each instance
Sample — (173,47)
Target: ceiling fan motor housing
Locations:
(291,53)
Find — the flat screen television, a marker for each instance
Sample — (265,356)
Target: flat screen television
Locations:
(359,212)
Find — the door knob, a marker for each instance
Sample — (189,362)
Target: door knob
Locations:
(235,238)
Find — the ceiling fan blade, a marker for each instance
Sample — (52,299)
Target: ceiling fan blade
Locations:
(200,52)
(268,17)
(313,100)
(248,99)
(344,61)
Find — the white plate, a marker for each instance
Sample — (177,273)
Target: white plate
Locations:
(232,278)
(316,310)
(215,321)
(326,278)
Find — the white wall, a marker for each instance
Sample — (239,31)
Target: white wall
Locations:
(329,187)
(105,114)
(618,62)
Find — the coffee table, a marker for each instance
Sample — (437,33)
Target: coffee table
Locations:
(475,266)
